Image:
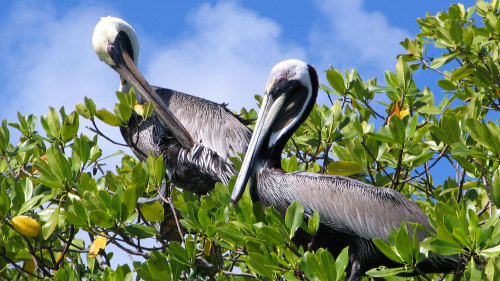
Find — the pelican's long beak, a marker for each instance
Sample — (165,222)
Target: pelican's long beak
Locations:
(263,135)
(125,66)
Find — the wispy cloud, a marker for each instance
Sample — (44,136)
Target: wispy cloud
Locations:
(348,37)
(226,57)
(48,60)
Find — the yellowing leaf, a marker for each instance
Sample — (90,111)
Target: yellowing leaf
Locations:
(97,245)
(139,109)
(497,90)
(345,168)
(404,113)
(25,225)
(29,266)
(34,169)
(207,248)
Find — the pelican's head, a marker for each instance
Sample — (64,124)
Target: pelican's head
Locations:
(111,37)
(116,44)
(291,92)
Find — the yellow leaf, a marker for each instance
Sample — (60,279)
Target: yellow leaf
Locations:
(139,108)
(97,245)
(29,266)
(25,225)
(207,248)
(498,92)
(403,113)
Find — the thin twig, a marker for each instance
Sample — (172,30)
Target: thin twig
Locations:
(477,68)
(174,212)
(374,159)
(431,68)
(461,186)
(430,167)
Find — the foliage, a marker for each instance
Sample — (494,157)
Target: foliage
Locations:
(54,192)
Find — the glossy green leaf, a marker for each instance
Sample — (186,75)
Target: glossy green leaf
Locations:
(404,244)
(69,127)
(152,211)
(271,235)
(387,250)
(142,231)
(294,217)
(107,117)
(443,247)
(50,225)
(335,79)
(313,223)
(403,73)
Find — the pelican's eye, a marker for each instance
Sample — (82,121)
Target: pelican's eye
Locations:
(111,49)
(280,80)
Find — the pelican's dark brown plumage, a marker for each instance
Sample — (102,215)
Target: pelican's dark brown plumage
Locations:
(352,212)
(195,136)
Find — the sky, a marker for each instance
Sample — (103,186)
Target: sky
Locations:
(219,50)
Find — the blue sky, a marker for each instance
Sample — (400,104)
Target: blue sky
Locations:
(219,50)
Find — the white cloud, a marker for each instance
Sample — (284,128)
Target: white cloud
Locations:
(353,37)
(49,61)
(226,58)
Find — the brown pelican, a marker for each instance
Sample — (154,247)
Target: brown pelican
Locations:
(196,136)
(351,212)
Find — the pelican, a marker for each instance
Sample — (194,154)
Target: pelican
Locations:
(352,213)
(195,136)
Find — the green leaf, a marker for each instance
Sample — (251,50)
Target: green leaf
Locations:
(70,127)
(4,202)
(495,188)
(152,211)
(387,250)
(403,73)
(257,263)
(294,217)
(404,244)
(456,32)
(270,235)
(47,177)
(90,106)
(313,223)
(430,109)
(108,118)
(397,129)
(440,61)
(460,73)
(447,85)
(328,266)
(178,253)
(82,110)
(130,200)
(381,137)
(204,218)
(49,227)
(341,262)
(59,165)
(54,125)
(482,134)
(442,247)
(335,79)
(142,231)
(491,252)
(384,272)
